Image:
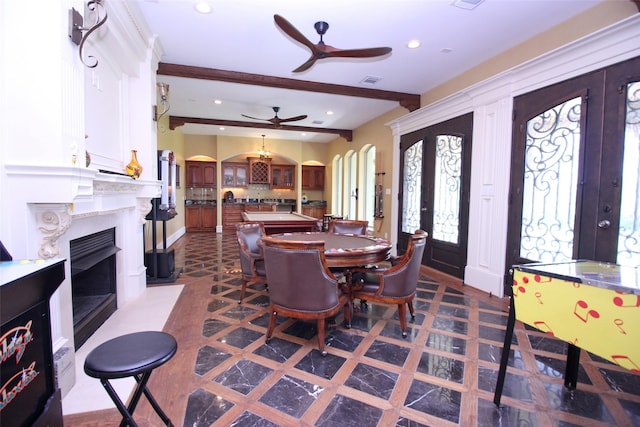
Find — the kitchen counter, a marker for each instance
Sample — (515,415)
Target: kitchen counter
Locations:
(200,203)
(315,203)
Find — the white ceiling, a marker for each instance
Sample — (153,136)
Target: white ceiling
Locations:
(241,35)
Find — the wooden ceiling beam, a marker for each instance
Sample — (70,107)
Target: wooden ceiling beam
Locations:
(176,121)
(409,101)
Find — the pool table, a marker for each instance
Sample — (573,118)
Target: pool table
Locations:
(282,222)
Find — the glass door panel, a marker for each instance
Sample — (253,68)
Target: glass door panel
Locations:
(552,160)
(447,188)
(412,188)
(629,229)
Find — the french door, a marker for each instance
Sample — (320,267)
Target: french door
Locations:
(574,191)
(434,195)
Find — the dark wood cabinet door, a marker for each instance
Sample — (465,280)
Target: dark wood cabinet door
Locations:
(209,218)
(209,174)
(313,177)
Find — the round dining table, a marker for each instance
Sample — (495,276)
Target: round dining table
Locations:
(344,250)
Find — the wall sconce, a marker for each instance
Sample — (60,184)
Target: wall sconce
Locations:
(163,91)
(263,154)
(76,28)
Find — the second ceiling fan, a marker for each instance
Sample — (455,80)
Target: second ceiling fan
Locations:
(277,120)
(322,50)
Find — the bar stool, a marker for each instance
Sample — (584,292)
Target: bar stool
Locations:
(133,355)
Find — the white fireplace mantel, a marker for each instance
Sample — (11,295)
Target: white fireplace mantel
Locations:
(59,195)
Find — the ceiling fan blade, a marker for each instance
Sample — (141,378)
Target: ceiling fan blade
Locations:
(255,118)
(293,32)
(306,65)
(294,119)
(359,53)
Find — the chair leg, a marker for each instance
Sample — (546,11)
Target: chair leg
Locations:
(348,307)
(126,415)
(272,324)
(242,291)
(402,314)
(321,336)
(410,305)
(140,379)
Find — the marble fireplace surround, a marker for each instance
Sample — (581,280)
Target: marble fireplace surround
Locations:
(65,203)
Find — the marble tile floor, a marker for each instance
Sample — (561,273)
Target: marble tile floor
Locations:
(442,374)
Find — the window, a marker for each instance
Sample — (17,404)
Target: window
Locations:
(337,184)
(368,196)
(351,185)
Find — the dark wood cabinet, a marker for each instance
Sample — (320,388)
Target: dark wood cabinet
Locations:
(259,207)
(259,170)
(234,175)
(313,177)
(201,218)
(231,215)
(314,211)
(283,177)
(200,174)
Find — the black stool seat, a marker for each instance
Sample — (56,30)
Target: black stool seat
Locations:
(130,355)
(134,355)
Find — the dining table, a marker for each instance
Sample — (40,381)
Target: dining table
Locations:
(345,250)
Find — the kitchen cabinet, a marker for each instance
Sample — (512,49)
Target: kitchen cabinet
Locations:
(234,175)
(200,174)
(314,211)
(201,218)
(283,177)
(313,177)
(260,207)
(231,215)
(259,170)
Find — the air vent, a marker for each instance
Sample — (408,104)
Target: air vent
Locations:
(317,122)
(467,4)
(370,80)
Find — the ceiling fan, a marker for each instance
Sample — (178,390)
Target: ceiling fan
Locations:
(322,50)
(277,120)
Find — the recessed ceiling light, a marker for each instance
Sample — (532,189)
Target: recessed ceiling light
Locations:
(221,128)
(413,44)
(217,101)
(329,113)
(467,4)
(370,80)
(203,7)
(303,134)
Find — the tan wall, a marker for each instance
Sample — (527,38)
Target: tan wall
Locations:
(199,145)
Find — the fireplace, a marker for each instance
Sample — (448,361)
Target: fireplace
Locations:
(93,282)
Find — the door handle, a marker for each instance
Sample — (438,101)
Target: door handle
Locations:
(423,209)
(604,223)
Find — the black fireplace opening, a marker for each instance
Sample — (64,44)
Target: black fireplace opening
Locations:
(93,282)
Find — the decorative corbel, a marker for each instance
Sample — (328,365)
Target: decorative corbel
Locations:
(53,222)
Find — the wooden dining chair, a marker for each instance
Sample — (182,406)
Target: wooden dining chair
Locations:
(301,285)
(251,259)
(393,285)
(348,226)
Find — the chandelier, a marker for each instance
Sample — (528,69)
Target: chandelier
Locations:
(263,153)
